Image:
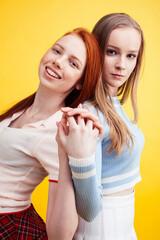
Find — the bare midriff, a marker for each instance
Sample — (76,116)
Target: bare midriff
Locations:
(121,193)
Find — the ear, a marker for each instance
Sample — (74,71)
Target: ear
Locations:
(79,86)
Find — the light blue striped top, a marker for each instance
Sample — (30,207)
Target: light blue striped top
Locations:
(106,172)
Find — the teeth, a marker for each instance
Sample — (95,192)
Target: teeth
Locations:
(52,73)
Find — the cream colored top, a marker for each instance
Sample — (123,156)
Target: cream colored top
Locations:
(27,156)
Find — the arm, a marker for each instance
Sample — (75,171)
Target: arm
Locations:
(80,144)
(87,187)
(62,218)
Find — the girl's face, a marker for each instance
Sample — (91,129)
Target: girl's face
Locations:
(120,57)
(63,65)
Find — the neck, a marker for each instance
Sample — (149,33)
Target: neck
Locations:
(46,103)
(112,91)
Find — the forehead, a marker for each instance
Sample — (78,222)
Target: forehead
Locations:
(73,45)
(125,38)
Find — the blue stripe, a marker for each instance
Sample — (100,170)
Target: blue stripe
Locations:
(83,169)
(121,182)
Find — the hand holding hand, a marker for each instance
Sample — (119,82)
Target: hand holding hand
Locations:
(79,137)
(84,113)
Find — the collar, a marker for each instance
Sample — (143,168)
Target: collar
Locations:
(56,117)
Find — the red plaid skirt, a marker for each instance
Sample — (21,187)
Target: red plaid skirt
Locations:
(25,225)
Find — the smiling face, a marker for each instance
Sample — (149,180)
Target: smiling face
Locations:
(62,66)
(120,57)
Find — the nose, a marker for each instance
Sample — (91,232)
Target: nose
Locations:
(121,63)
(59,62)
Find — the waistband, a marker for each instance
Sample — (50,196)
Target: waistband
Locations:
(20,211)
(118,201)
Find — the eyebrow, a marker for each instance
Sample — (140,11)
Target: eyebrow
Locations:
(112,46)
(72,56)
(59,45)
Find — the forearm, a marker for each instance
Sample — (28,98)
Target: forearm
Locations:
(80,142)
(87,189)
(64,219)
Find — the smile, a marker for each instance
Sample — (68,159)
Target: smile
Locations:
(53,74)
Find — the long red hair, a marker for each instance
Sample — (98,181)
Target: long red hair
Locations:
(89,79)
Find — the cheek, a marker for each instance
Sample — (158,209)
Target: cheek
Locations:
(44,59)
(76,77)
(48,56)
(40,67)
(72,74)
(131,68)
(108,64)
(106,68)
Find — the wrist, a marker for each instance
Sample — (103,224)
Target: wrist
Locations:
(81,161)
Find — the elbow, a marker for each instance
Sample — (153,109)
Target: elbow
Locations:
(57,232)
(60,236)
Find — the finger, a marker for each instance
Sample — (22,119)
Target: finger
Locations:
(96,132)
(66,109)
(71,122)
(61,136)
(76,111)
(89,123)
(64,123)
(80,120)
(64,119)
(66,130)
(90,116)
(80,105)
(99,127)
(95,120)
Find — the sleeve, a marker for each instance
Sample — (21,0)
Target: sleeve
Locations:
(86,175)
(46,152)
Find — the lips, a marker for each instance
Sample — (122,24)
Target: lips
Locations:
(118,76)
(53,73)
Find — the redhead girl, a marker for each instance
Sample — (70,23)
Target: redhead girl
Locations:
(104,182)
(68,74)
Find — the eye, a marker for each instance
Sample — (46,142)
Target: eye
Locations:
(55,50)
(73,64)
(111,52)
(131,56)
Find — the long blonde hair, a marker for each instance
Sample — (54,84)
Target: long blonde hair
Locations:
(119,132)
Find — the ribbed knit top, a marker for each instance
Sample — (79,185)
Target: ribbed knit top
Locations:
(106,173)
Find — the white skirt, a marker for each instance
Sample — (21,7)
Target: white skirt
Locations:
(114,222)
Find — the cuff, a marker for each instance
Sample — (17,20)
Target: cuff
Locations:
(82,168)
(81,162)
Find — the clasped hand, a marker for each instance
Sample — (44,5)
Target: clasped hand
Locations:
(78,132)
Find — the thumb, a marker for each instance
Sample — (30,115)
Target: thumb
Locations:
(64,119)
(62,138)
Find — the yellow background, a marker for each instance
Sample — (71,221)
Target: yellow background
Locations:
(29,27)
